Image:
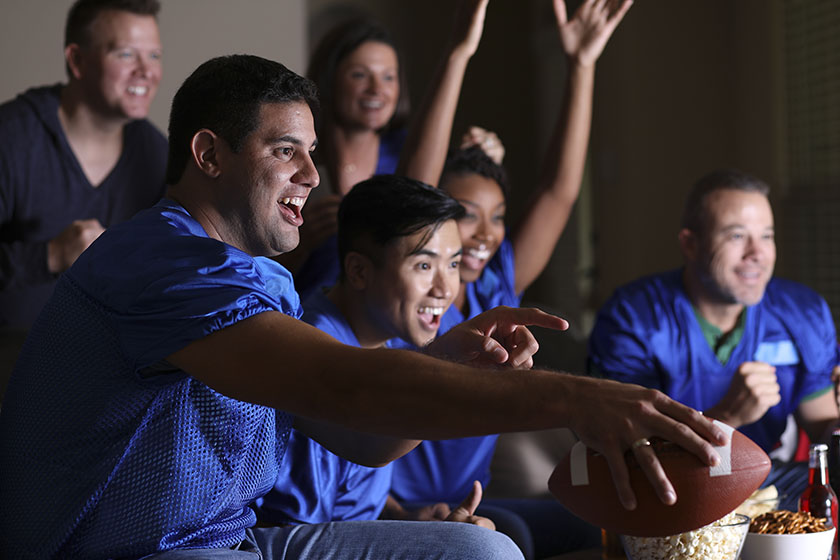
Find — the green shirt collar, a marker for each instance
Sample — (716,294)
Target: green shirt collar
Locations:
(722,344)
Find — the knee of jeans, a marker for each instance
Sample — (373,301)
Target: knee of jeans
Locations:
(490,545)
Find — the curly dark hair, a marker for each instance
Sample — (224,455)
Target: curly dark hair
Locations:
(473,160)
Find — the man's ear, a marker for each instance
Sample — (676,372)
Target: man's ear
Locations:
(204,149)
(688,244)
(73,58)
(358,269)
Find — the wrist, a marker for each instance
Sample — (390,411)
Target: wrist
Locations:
(459,55)
(579,68)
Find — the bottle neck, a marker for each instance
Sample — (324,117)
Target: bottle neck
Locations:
(817,475)
(817,467)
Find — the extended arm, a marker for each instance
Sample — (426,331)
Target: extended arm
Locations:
(366,449)
(583,38)
(286,364)
(424,153)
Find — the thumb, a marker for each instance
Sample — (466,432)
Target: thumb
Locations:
(492,351)
(472,500)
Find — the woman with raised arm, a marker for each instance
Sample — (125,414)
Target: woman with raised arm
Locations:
(496,267)
(361,129)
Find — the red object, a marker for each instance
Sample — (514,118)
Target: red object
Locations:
(701,497)
(819,499)
(803,443)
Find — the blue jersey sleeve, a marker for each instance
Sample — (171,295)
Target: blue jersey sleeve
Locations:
(619,346)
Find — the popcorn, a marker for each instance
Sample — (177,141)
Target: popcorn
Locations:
(720,540)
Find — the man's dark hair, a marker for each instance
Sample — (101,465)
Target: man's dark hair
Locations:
(386,207)
(474,160)
(694,216)
(334,47)
(224,95)
(83,13)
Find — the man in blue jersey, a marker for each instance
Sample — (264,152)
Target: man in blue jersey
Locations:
(721,334)
(400,250)
(154,396)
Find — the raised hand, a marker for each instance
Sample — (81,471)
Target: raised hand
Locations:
(469,25)
(586,34)
(499,336)
(424,152)
(753,389)
(464,513)
(487,140)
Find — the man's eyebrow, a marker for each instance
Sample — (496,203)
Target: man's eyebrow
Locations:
(429,253)
(730,227)
(286,138)
(425,252)
(291,139)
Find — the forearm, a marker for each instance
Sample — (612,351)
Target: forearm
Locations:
(424,153)
(560,179)
(405,394)
(285,364)
(363,448)
(563,166)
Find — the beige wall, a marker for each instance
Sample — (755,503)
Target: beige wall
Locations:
(685,86)
(192,31)
(690,86)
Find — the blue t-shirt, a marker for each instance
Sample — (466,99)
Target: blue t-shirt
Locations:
(321,268)
(444,470)
(314,485)
(107,450)
(648,334)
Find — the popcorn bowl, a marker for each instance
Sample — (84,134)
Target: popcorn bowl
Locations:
(721,540)
(768,546)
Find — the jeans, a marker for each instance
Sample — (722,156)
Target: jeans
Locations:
(364,540)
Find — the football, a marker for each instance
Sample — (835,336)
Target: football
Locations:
(583,483)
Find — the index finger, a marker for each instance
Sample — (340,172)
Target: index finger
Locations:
(530,316)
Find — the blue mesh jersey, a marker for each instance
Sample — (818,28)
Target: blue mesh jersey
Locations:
(315,485)
(105,450)
(444,470)
(648,334)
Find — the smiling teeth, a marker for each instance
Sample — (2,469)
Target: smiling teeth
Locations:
(372,104)
(294,201)
(482,254)
(137,90)
(432,310)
